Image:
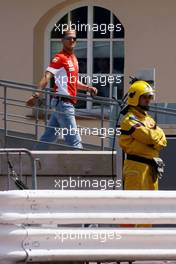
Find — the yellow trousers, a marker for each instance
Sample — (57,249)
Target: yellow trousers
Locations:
(138,176)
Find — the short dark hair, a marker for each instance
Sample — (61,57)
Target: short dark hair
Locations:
(66,30)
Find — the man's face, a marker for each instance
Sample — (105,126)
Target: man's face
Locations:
(145,100)
(69,40)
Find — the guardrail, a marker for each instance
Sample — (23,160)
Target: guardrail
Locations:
(98,207)
(51,240)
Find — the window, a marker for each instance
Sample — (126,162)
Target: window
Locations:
(99,49)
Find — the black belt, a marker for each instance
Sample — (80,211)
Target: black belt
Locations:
(60,98)
(141,159)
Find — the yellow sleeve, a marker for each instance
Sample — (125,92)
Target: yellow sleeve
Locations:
(162,142)
(154,137)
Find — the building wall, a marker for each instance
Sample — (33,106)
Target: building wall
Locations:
(150,39)
(149,29)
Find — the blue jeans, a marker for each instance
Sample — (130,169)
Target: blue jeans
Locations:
(63,120)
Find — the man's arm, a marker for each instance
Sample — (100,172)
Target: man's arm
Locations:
(31,102)
(43,83)
(87,88)
(149,136)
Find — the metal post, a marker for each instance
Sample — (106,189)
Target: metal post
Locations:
(47,103)
(36,121)
(34,173)
(5,116)
(119,164)
(8,175)
(102,124)
(20,166)
(114,111)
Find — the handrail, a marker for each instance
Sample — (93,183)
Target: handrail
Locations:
(104,99)
(80,96)
(96,99)
(5,82)
(32,159)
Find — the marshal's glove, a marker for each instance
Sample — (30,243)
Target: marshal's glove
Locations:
(34,100)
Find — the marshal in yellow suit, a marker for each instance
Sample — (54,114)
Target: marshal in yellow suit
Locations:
(141,139)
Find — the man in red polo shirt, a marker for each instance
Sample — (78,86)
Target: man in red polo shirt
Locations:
(64,69)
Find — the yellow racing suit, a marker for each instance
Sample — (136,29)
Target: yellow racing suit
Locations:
(141,137)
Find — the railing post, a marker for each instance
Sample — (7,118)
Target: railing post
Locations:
(20,166)
(114,110)
(34,167)
(34,174)
(119,164)
(8,174)
(47,103)
(5,116)
(102,124)
(36,120)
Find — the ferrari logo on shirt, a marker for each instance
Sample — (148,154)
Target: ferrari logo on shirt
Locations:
(71,66)
(70,63)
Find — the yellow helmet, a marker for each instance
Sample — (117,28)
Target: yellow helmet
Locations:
(137,89)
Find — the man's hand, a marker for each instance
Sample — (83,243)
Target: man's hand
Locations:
(32,101)
(83,87)
(92,90)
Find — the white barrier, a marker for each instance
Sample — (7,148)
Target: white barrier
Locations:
(44,244)
(11,244)
(101,207)
(40,243)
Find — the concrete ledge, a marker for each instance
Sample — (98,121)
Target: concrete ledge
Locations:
(63,163)
(63,170)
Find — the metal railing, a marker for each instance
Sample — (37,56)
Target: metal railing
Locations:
(107,107)
(32,160)
(11,117)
